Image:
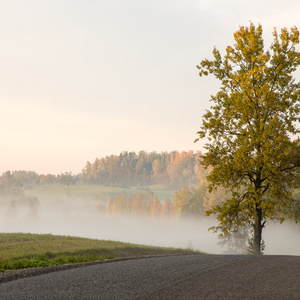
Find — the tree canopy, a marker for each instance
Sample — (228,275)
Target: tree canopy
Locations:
(252,129)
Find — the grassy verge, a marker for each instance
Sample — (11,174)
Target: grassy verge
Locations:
(19,250)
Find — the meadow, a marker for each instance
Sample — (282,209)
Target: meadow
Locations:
(26,250)
(95,192)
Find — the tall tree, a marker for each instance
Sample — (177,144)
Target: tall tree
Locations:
(254,145)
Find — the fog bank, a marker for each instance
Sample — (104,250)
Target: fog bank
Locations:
(81,218)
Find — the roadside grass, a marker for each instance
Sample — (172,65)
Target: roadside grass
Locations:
(26,250)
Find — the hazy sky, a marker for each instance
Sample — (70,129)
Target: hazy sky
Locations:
(85,79)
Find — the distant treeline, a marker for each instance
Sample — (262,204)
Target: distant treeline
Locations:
(187,202)
(18,179)
(172,169)
(143,204)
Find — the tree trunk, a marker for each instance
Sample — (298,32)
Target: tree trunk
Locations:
(258,226)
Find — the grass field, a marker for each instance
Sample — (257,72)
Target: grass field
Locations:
(20,250)
(93,191)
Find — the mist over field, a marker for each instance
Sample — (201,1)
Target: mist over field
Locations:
(80,217)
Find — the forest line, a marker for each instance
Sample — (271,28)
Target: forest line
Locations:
(171,169)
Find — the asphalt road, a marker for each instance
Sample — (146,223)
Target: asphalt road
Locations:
(170,277)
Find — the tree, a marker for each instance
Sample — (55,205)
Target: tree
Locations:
(155,209)
(182,200)
(66,178)
(254,145)
(197,200)
(167,209)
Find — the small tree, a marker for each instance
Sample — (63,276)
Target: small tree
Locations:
(182,200)
(254,145)
(167,209)
(155,209)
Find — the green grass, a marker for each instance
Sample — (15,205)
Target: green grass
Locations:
(93,191)
(20,250)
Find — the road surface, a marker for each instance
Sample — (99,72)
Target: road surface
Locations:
(169,277)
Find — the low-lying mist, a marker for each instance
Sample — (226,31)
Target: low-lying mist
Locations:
(80,217)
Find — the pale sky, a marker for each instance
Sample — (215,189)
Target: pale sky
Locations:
(81,79)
